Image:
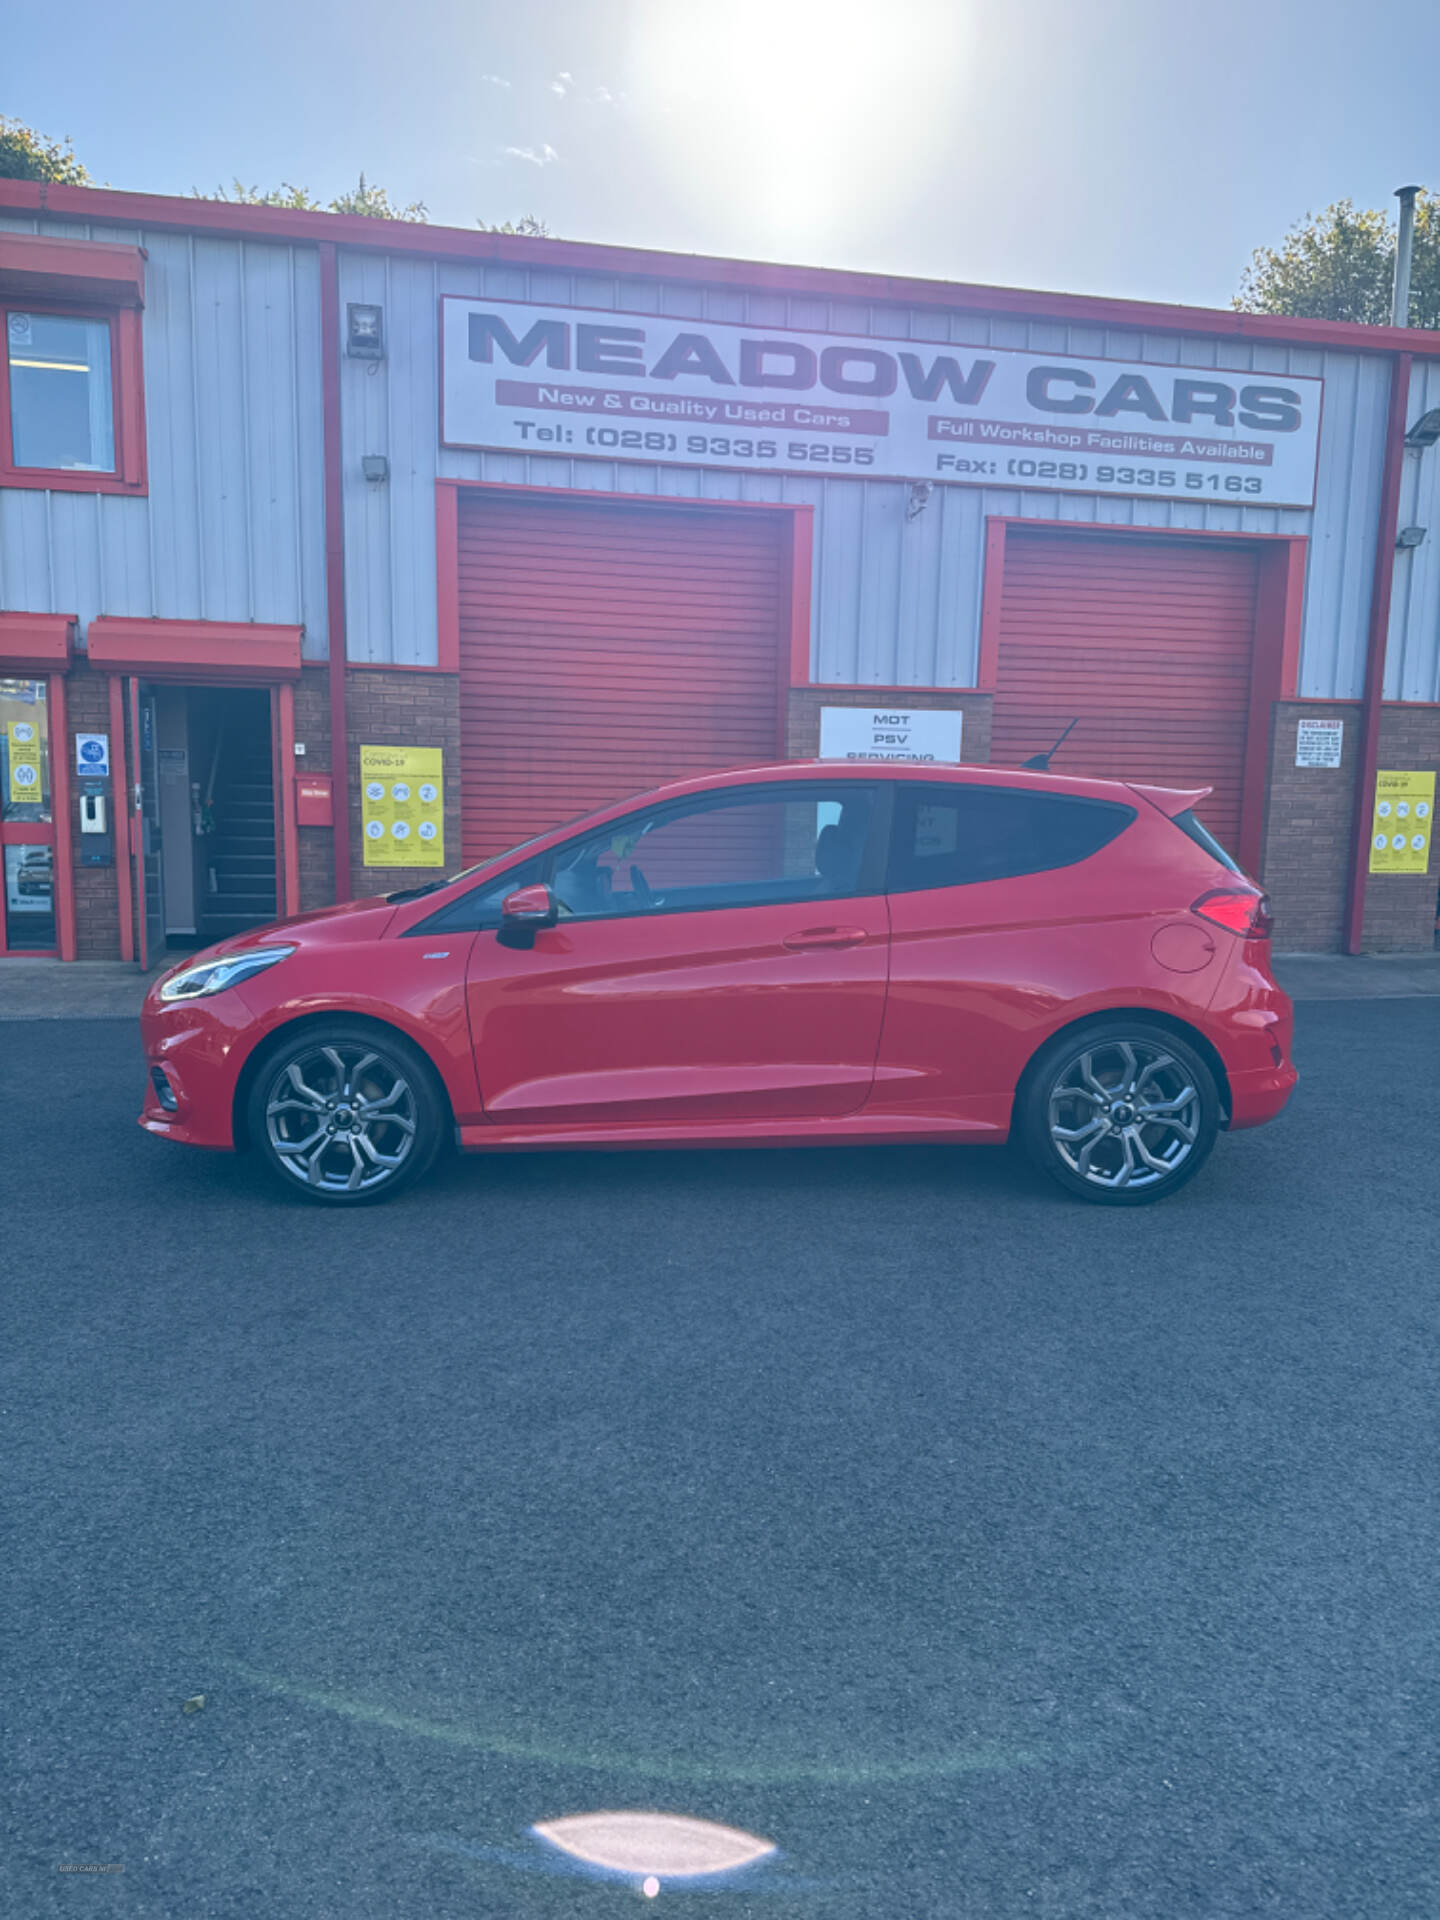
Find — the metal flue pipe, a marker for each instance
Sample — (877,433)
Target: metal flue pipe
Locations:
(1404,250)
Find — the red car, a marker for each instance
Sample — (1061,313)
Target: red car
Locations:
(799,954)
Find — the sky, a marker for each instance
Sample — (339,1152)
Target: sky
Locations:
(1137,148)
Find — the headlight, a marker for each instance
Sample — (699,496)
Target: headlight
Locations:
(213,976)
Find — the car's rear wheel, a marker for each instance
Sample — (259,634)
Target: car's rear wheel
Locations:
(345,1115)
(1120,1112)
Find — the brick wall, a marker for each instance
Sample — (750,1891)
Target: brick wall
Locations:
(1309,826)
(395,708)
(803,722)
(97,906)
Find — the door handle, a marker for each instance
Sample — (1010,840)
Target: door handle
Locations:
(826,937)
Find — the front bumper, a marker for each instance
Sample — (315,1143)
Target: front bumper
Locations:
(197,1048)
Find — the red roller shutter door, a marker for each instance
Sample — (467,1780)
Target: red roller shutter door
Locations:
(604,649)
(1148,643)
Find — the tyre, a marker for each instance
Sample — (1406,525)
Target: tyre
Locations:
(1120,1112)
(347,1115)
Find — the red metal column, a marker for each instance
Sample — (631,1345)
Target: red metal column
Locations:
(335,559)
(1375,655)
(136,819)
(120,818)
(64,868)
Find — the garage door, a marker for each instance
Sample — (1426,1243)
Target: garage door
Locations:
(604,649)
(1147,643)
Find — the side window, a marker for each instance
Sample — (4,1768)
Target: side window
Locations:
(953,836)
(734,848)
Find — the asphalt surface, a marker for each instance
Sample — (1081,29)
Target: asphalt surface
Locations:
(991,1554)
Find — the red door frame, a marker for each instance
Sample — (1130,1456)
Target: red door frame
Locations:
(54,832)
(796,569)
(1275,660)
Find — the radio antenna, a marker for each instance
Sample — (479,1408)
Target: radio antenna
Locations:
(1040,762)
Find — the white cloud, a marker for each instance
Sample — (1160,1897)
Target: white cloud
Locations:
(536,156)
(495,80)
(562,83)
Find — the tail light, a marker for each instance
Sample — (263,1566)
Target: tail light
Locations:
(1244,913)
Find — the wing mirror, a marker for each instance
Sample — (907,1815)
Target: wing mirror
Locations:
(523,914)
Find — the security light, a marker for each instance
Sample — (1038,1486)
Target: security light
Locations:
(1409,536)
(375,466)
(1426,430)
(364,332)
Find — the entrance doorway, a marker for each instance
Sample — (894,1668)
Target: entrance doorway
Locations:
(207,783)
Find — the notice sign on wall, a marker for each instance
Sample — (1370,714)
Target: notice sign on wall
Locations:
(92,755)
(693,393)
(1404,823)
(402,806)
(1319,743)
(890,733)
(25,782)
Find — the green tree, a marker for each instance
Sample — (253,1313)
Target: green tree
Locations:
(527,224)
(282,196)
(373,202)
(27,155)
(1340,265)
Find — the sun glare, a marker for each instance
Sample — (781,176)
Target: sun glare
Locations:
(801,118)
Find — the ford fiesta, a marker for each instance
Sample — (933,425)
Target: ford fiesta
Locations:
(799,954)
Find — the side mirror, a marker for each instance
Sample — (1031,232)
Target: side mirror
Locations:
(523,914)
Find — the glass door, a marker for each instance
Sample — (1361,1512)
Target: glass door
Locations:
(27,827)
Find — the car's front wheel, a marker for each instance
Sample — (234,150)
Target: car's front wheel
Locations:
(1120,1112)
(345,1115)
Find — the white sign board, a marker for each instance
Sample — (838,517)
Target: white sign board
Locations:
(92,755)
(631,386)
(890,733)
(1318,743)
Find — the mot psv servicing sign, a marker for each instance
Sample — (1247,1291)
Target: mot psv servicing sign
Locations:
(621,386)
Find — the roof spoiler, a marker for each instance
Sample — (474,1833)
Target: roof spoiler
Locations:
(1171,800)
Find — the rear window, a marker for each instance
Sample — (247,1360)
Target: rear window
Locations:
(1197,831)
(953,836)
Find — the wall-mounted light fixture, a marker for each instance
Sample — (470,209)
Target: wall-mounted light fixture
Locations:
(920,492)
(375,467)
(1426,430)
(364,332)
(1409,537)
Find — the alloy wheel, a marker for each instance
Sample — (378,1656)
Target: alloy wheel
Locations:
(1124,1114)
(341,1118)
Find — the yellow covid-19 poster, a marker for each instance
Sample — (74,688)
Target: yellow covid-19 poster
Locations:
(25,781)
(1404,823)
(403,806)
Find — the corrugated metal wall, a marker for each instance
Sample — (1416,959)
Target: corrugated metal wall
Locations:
(1412,659)
(895,602)
(233,527)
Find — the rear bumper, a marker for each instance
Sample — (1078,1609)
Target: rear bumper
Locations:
(1260,1096)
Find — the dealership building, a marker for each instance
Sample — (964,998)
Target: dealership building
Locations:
(337,552)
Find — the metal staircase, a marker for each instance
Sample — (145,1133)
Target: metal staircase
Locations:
(241,852)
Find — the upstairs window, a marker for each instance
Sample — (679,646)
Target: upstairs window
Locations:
(62,393)
(72,398)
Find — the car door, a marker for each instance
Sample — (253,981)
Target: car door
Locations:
(722,957)
(1007,905)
